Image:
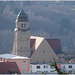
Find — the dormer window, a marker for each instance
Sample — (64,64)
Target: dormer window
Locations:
(22,25)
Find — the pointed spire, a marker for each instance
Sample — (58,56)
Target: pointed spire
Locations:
(22,16)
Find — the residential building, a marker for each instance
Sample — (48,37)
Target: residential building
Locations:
(9,68)
(66,67)
(39,68)
(23,63)
(72,61)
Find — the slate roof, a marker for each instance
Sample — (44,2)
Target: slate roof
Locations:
(22,17)
(9,68)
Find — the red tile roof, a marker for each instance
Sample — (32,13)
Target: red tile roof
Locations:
(9,68)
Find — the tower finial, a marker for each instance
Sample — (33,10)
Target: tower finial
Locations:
(21,4)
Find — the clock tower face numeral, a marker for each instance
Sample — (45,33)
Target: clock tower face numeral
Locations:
(23,32)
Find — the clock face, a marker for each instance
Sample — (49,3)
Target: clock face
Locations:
(23,32)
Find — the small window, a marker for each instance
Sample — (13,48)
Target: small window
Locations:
(24,66)
(6,60)
(46,71)
(30,66)
(64,66)
(23,72)
(70,71)
(70,66)
(5,73)
(22,25)
(50,61)
(44,66)
(37,62)
(3,60)
(51,71)
(52,67)
(24,62)
(43,62)
(38,67)
(31,71)
(44,51)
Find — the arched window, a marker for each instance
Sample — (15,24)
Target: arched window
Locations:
(22,25)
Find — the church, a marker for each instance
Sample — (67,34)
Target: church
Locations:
(39,49)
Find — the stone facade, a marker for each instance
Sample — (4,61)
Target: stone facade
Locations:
(39,49)
(43,51)
(22,35)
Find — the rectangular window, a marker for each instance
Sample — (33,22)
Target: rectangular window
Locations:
(38,67)
(70,71)
(46,71)
(24,25)
(24,66)
(24,62)
(52,67)
(3,60)
(70,66)
(6,60)
(23,72)
(44,66)
(21,25)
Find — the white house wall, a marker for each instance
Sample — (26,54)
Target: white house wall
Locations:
(47,69)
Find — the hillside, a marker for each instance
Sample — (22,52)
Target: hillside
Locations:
(48,19)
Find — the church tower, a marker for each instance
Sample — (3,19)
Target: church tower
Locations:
(22,35)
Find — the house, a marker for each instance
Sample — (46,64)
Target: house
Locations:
(67,67)
(39,68)
(23,63)
(72,61)
(9,68)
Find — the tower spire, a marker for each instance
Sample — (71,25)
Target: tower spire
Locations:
(22,35)
(21,4)
(22,17)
